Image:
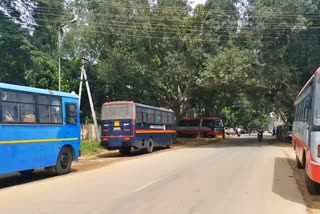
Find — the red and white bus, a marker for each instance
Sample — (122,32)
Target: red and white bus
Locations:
(189,127)
(206,127)
(306,132)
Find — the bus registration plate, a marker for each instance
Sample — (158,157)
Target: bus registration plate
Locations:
(116,123)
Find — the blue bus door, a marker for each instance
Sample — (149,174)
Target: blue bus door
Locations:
(71,119)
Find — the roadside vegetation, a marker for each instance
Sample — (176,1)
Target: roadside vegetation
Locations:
(91,148)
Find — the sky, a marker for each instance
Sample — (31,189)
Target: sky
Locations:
(195,2)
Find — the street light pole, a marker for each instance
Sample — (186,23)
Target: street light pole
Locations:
(59,48)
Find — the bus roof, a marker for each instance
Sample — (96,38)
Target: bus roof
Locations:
(36,90)
(309,81)
(138,104)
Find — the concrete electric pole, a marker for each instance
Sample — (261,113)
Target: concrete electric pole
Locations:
(83,77)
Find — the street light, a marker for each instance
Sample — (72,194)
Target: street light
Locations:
(59,46)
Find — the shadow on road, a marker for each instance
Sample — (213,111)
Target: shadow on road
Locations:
(312,201)
(243,141)
(133,153)
(284,180)
(14,179)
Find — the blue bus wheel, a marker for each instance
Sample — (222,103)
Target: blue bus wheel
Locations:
(64,161)
(150,147)
(26,172)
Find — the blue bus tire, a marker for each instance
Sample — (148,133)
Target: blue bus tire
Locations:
(149,148)
(64,161)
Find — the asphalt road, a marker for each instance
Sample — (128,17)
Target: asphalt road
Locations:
(233,176)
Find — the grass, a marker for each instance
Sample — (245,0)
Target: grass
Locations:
(91,148)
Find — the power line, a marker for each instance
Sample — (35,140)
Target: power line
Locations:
(203,27)
(175,8)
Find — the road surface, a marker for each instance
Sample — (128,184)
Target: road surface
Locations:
(233,176)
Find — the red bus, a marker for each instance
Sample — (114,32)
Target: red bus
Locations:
(212,127)
(306,132)
(206,127)
(189,127)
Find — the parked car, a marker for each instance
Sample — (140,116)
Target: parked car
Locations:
(284,133)
(229,130)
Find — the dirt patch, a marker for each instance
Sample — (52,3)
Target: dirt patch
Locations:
(312,202)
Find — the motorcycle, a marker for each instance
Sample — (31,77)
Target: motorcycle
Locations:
(260,136)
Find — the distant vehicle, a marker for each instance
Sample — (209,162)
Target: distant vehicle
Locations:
(189,127)
(126,125)
(306,132)
(211,127)
(38,129)
(260,134)
(206,127)
(229,130)
(289,134)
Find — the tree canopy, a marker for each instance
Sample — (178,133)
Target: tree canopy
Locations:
(235,59)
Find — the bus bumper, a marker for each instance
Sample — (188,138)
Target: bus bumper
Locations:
(312,168)
(115,144)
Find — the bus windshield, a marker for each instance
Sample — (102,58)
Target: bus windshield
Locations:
(117,112)
(212,123)
(194,123)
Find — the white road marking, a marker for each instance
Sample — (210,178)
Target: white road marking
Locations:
(146,185)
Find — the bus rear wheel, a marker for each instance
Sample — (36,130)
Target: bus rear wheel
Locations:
(125,151)
(26,172)
(150,147)
(312,187)
(64,161)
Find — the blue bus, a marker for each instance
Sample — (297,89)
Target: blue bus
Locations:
(38,129)
(126,125)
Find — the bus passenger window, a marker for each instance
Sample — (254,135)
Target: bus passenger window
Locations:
(44,112)
(10,112)
(29,118)
(158,119)
(7,117)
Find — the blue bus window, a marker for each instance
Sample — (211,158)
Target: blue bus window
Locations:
(44,113)
(71,113)
(10,96)
(27,108)
(44,100)
(10,112)
(164,117)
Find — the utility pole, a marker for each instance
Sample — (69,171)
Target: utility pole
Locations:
(83,77)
